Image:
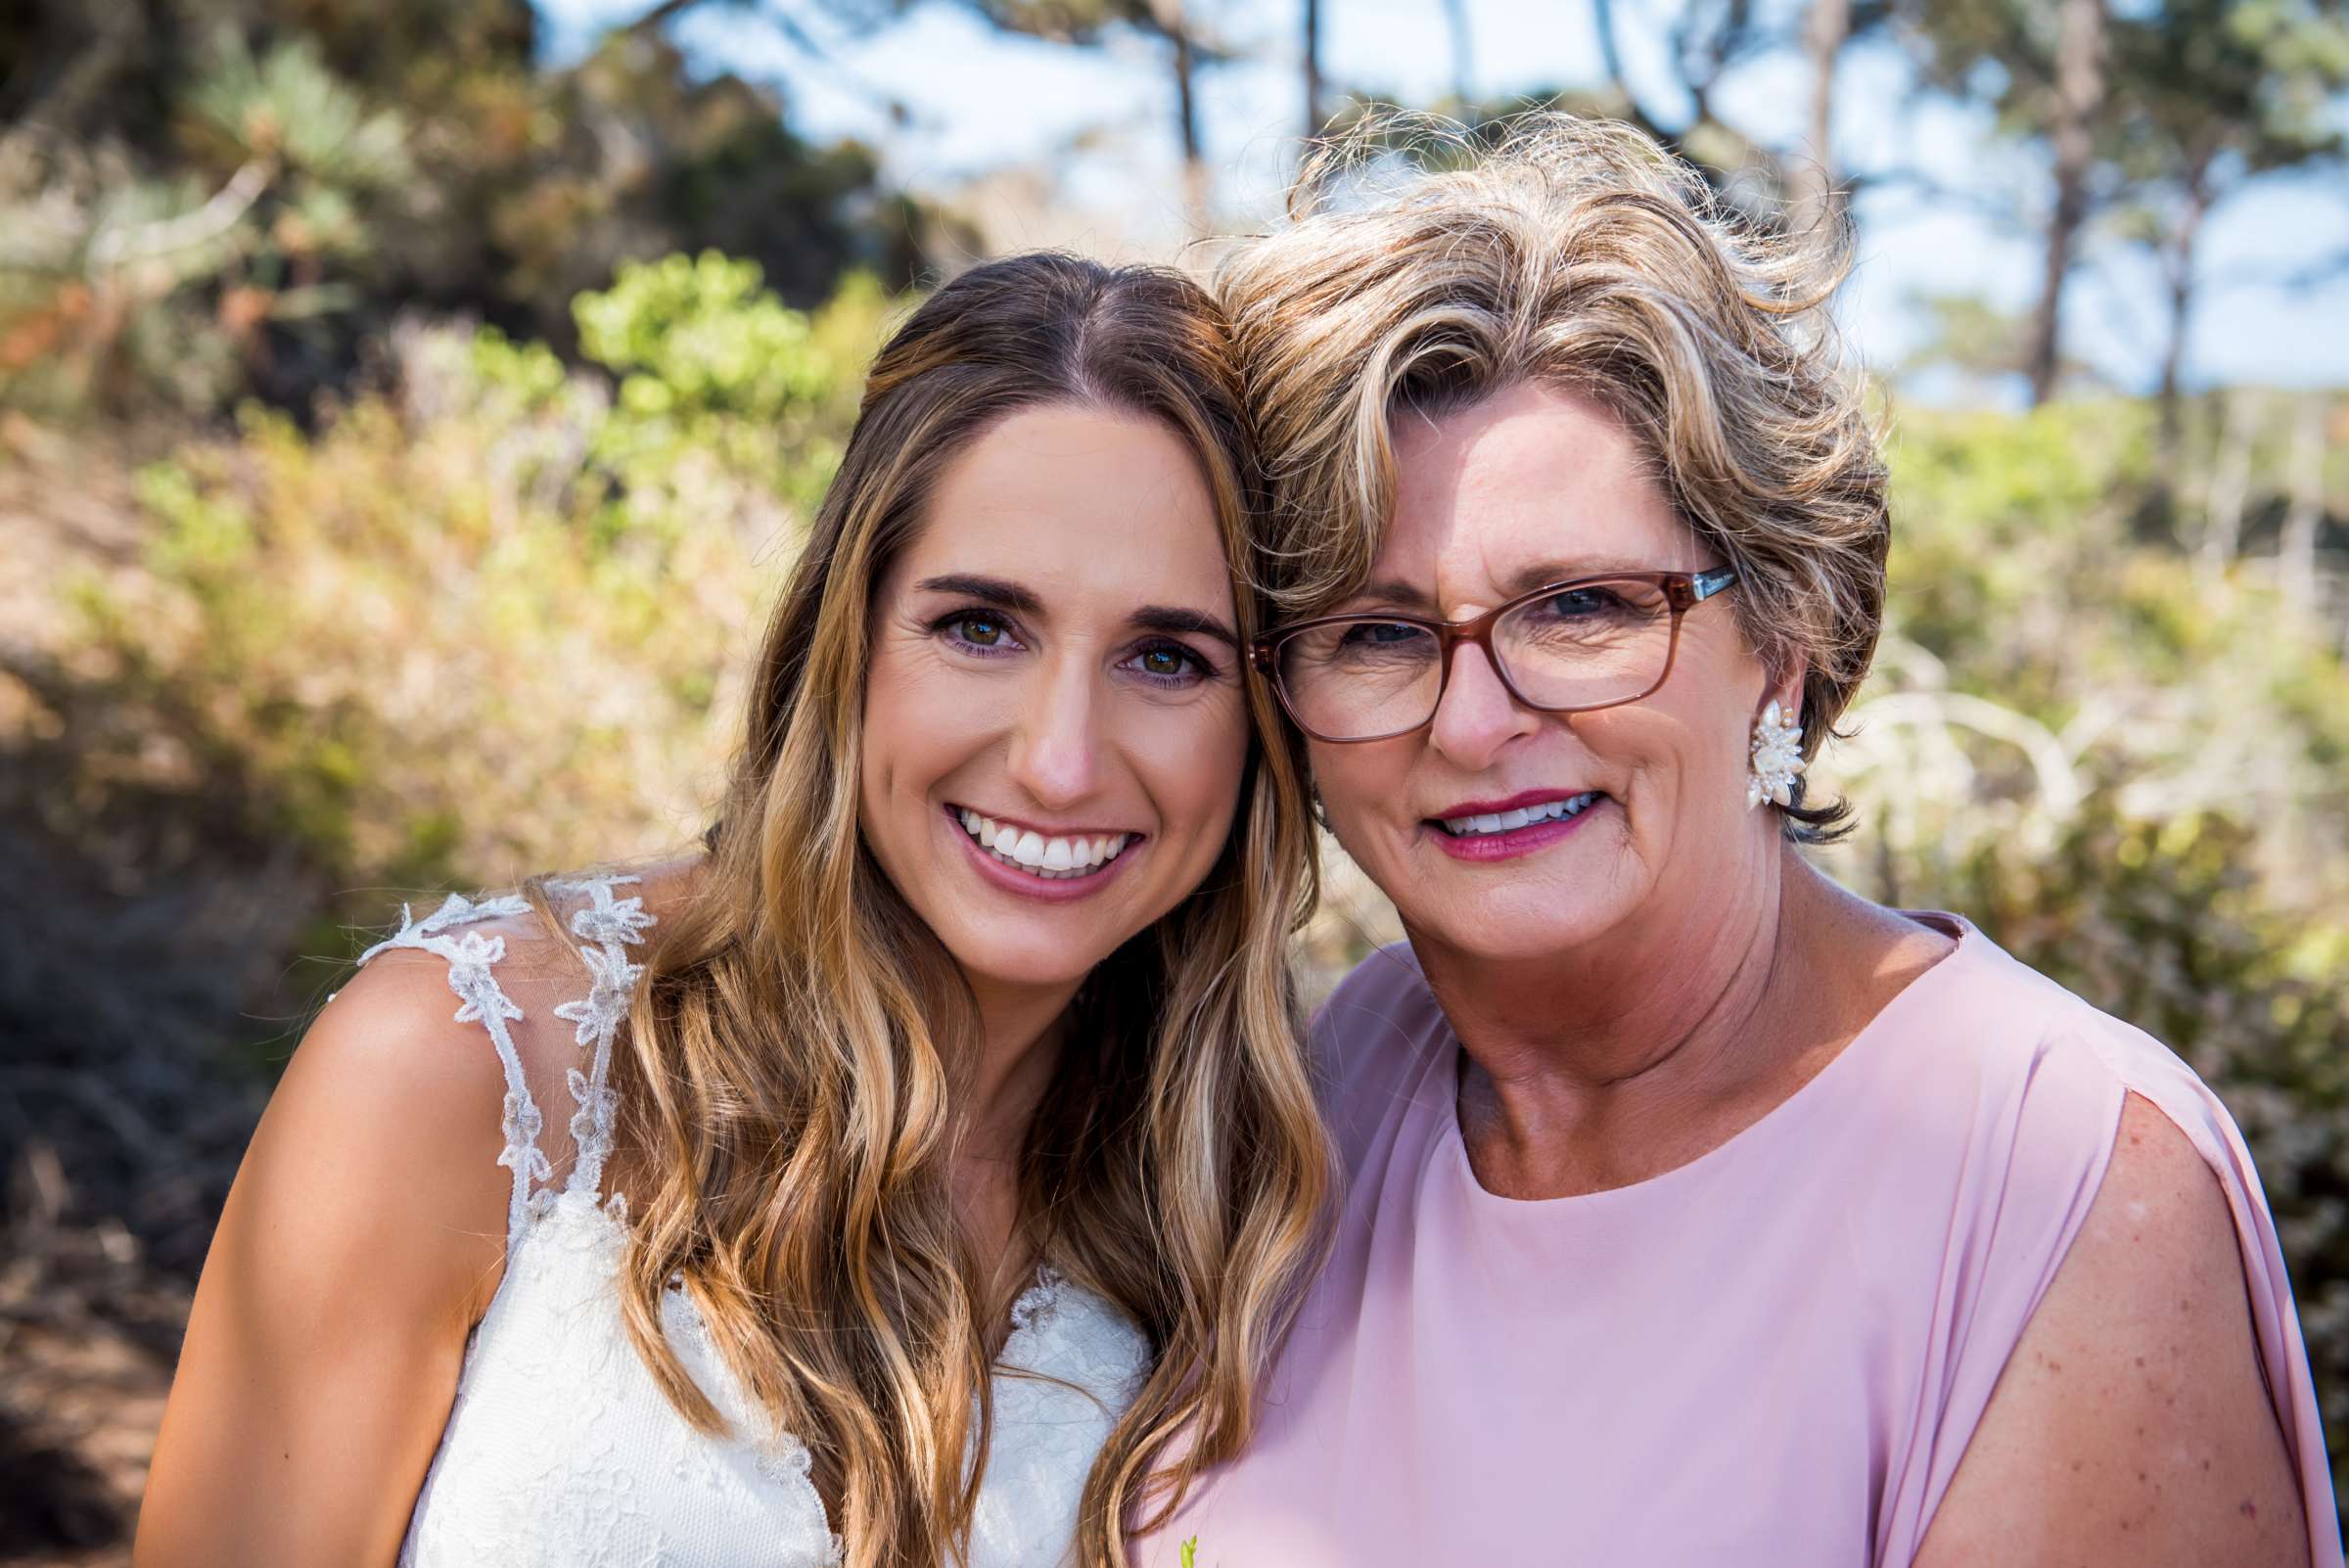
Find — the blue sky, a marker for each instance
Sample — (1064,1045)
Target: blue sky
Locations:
(1100,122)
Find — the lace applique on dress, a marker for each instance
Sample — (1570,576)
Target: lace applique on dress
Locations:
(561,1449)
(613,925)
(1070,1366)
(471,957)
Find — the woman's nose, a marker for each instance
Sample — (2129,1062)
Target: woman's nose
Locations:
(1476,715)
(1057,738)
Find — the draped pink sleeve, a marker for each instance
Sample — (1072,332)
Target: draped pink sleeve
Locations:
(1773,1356)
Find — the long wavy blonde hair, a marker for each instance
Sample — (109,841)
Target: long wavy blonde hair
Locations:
(789,1082)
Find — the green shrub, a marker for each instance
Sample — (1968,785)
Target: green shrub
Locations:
(2165,924)
(496,621)
(2125,765)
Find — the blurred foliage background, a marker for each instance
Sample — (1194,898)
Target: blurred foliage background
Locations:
(401,433)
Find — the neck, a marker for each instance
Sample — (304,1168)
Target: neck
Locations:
(1021,1032)
(1631,1053)
(1021,1035)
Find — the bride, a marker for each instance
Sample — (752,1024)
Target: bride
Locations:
(932,1147)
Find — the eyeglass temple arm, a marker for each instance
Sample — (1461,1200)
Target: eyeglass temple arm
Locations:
(1705,584)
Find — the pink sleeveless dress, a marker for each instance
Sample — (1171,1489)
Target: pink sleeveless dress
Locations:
(1773,1356)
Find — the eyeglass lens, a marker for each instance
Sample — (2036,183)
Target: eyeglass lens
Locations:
(1588,646)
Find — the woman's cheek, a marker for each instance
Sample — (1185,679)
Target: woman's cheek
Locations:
(1194,762)
(1352,784)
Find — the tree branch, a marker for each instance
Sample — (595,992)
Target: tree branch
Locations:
(111,247)
(1610,54)
(792,31)
(1990,209)
(2316,273)
(660,16)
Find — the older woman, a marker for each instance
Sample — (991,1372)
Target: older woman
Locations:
(1700,1212)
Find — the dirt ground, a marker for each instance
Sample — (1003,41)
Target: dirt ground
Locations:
(139,985)
(144,1001)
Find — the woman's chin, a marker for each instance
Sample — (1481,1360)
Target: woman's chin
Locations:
(994,964)
(1501,925)
(1490,940)
(1504,917)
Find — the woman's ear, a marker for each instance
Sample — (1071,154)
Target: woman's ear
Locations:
(1783,680)
(1778,750)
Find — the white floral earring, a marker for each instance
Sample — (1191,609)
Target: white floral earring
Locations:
(1777,759)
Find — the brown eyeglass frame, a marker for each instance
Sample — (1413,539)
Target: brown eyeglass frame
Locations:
(1682,592)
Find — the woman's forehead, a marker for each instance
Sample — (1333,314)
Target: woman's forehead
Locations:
(1533,482)
(1076,504)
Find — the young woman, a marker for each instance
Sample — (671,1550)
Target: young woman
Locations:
(935,1146)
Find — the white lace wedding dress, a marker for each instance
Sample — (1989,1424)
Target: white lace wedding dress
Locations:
(560,1450)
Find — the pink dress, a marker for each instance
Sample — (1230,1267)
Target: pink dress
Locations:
(1773,1356)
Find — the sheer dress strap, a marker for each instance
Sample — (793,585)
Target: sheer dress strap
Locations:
(472,957)
(607,925)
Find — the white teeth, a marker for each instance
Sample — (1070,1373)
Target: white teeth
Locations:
(1053,859)
(1522,816)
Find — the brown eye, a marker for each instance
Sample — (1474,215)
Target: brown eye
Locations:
(1169,664)
(976,630)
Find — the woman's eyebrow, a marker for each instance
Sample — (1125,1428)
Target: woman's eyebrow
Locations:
(1543,572)
(995,591)
(1391,590)
(1175,621)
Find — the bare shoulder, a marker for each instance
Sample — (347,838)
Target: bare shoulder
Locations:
(1855,955)
(670,890)
(2132,1423)
(378,1153)
(384,1132)
(361,1239)
(395,1094)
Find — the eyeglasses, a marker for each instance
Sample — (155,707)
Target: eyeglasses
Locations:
(1564,648)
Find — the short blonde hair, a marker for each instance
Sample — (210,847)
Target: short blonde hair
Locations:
(1579,254)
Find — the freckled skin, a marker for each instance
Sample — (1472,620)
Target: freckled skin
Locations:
(2131,1425)
(2085,1459)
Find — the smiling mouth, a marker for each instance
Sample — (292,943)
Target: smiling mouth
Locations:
(1489,822)
(1065,859)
